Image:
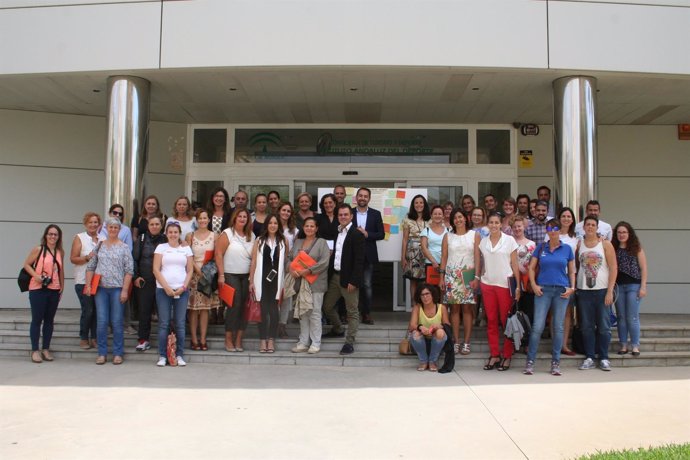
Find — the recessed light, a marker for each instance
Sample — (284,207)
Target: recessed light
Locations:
(353,89)
(475,89)
(96,90)
(233,89)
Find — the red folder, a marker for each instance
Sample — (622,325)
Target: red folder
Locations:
(433,276)
(208,256)
(226,294)
(95,281)
(302,261)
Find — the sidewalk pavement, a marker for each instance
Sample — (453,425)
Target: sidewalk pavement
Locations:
(74,409)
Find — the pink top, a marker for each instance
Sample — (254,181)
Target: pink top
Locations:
(46,265)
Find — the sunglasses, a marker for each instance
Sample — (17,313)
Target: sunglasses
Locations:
(555,228)
(117,213)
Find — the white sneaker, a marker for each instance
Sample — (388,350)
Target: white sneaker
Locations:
(313,350)
(161,362)
(181,362)
(143,346)
(299,348)
(587,364)
(605,365)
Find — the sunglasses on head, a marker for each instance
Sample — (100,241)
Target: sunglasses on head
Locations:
(555,228)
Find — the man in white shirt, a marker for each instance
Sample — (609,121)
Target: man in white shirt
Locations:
(593,208)
(345,270)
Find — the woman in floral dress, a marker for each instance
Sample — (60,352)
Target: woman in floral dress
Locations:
(412,257)
(460,250)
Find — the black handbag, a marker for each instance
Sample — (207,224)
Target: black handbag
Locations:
(208,281)
(24,278)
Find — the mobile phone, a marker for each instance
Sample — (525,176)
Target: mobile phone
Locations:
(271,275)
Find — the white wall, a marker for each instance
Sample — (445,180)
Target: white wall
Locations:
(52,171)
(644,178)
(80,38)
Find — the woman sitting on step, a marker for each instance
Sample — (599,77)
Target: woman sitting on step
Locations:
(426,326)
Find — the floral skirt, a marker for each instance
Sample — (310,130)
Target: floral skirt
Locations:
(458,290)
(197,300)
(415,260)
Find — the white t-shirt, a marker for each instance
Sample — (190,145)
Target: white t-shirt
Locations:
(174,264)
(603,229)
(497,267)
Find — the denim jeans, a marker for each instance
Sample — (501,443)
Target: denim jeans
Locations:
(169,309)
(44,304)
(366,291)
(594,317)
(550,300)
(109,310)
(419,345)
(87,321)
(628,312)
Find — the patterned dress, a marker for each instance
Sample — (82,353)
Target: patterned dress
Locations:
(197,300)
(413,254)
(460,269)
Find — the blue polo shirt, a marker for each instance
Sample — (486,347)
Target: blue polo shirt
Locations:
(553,266)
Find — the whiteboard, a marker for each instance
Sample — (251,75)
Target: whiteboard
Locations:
(394,204)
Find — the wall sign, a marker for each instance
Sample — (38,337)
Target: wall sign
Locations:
(526,159)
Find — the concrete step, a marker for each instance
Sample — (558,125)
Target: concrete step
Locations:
(369,344)
(358,359)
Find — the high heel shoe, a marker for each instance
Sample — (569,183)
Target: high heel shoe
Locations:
(262,346)
(503,366)
(270,346)
(491,365)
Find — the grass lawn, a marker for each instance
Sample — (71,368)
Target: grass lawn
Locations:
(669,452)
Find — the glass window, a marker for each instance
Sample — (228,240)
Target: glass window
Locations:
(210,145)
(493,146)
(501,190)
(427,146)
(253,190)
(201,191)
(441,194)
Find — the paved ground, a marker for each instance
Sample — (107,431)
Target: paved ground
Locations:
(73,409)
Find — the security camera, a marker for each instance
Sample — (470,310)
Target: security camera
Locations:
(517,124)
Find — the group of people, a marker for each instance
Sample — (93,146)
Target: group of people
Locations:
(456,258)
(159,262)
(521,258)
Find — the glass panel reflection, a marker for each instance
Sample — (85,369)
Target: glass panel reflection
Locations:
(493,146)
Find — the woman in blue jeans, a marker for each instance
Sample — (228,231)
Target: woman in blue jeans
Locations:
(173,266)
(596,278)
(113,262)
(552,288)
(426,325)
(632,285)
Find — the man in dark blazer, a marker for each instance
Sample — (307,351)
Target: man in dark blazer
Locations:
(370,223)
(345,270)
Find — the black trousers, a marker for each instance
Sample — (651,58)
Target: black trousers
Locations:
(146,300)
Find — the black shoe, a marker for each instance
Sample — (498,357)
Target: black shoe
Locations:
(366,319)
(333,335)
(347,349)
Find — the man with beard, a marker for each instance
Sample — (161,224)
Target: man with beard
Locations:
(604,230)
(370,223)
(537,231)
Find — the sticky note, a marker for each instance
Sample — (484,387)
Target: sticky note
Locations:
(387,211)
(394,229)
(400,194)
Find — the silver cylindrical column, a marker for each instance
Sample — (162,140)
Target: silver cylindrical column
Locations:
(128,134)
(575,141)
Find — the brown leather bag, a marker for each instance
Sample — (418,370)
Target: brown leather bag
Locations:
(405,348)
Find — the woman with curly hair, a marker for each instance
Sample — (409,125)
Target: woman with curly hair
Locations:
(632,285)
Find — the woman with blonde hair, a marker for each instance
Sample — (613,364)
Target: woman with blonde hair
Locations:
(304,202)
(184,215)
(83,246)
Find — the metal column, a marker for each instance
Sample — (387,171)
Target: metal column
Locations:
(128,134)
(575,142)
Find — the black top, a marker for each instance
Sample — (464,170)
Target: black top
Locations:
(142,252)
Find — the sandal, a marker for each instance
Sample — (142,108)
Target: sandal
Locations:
(203,346)
(503,367)
(270,347)
(195,346)
(262,346)
(465,349)
(456,348)
(490,364)
(100,360)
(433,367)
(422,367)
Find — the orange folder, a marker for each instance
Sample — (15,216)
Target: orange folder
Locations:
(208,256)
(95,281)
(226,294)
(302,261)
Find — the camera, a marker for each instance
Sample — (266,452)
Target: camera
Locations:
(45,281)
